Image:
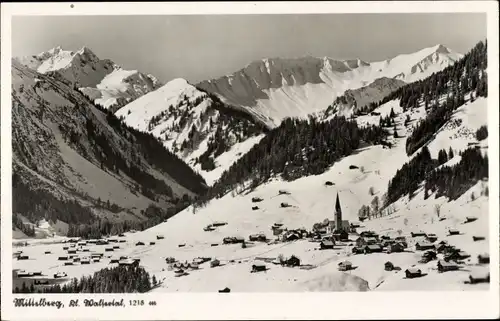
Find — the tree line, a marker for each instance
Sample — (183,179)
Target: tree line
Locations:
(120,279)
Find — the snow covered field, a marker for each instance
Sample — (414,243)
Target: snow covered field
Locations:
(311,202)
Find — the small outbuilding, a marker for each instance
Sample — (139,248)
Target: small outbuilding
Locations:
(478,238)
(258,268)
(444,266)
(483,258)
(345,266)
(388,266)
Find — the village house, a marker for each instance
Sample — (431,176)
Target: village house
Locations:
(214,263)
(413,273)
(478,238)
(453,232)
(128,262)
(258,268)
(444,266)
(257,237)
(422,246)
(470,219)
(160,237)
(395,248)
(341,236)
(416,234)
(373,248)
(369,234)
(388,266)
(292,261)
(431,238)
(345,266)
(483,258)
(479,278)
(327,244)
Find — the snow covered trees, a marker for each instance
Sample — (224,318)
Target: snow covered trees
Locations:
(120,279)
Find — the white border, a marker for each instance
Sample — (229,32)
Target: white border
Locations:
(336,305)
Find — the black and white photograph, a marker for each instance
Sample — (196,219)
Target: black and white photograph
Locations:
(249,153)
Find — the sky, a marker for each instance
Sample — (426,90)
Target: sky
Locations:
(200,47)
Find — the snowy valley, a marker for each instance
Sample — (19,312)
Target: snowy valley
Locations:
(381,185)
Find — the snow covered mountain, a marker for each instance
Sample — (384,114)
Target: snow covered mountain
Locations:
(102,80)
(208,134)
(81,163)
(276,88)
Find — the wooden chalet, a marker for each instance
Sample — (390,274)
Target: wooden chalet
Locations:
(431,238)
(256,199)
(373,248)
(225,290)
(453,232)
(470,219)
(479,278)
(128,262)
(214,263)
(47,252)
(345,266)
(329,183)
(444,266)
(292,261)
(258,268)
(258,237)
(139,243)
(68,263)
(152,243)
(254,208)
(60,275)
(22,257)
(413,273)
(62,258)
(109,249)
(395,247)
(483,258)
(160,237)
(327,244)
(388,266)
(216,224)
(422,246)
(416,234)
(478,238)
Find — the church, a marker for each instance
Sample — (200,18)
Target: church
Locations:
(337,225)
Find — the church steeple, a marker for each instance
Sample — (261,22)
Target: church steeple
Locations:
(338,214)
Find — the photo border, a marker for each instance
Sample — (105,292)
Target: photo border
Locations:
(307,305)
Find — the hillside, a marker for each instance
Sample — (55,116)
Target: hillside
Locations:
(74,162)
(206,133)
(102,80)
(276,88)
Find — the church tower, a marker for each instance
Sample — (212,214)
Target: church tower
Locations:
(338,214)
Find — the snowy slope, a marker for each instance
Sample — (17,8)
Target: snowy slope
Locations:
(187,120)
(312,202)
(105,82)
(276,88)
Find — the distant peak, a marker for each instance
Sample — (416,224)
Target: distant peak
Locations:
(85,51)
(439,48)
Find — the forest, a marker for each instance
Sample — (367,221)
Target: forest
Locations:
(120,279)
(295,149)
